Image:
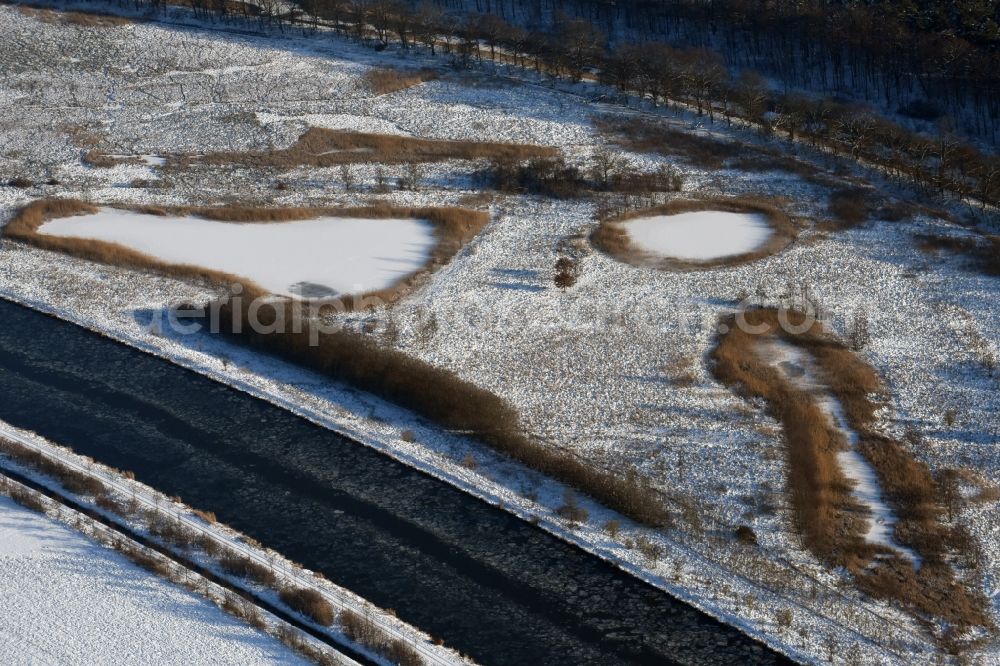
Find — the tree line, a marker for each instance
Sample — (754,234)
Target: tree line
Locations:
(696,77)
(924,59)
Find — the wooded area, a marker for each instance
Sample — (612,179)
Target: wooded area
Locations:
(940,161)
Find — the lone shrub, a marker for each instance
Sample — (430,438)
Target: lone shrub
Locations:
(566,270)
(310,603)
(746,535)
(239,565)
(564,280)
(650,550)
(207,516)
(571,511)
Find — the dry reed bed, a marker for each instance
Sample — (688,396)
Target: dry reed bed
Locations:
(387,80)
(453,228)
(89,19)
(611,235)
(320,147)
(825,514)
(440,396)
(644,136)
(704,151)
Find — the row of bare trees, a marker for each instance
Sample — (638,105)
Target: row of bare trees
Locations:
(923,58)
(699,77)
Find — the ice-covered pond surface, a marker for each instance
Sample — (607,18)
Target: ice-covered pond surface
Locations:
(325,256)
(699,236)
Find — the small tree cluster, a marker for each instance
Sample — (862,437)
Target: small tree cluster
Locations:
(566,273)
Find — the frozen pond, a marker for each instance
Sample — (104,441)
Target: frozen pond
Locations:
(699,236)
(325,256)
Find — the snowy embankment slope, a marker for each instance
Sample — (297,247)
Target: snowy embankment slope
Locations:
(234,542)
(68,600)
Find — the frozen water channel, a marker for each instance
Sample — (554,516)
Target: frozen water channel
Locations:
(798,368)
(699,236)
(325,256)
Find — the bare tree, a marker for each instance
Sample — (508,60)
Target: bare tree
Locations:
(859,336)
(427,24)
(605,164)
(752,94)
(950,492)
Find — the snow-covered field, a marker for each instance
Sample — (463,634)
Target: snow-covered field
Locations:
(326,256)
(613,369)
(700,235)
(67,600)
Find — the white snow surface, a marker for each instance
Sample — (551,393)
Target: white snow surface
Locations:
(67,600)
(699,235)
(325,256)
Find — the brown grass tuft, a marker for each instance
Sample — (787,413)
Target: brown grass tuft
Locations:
(612,237)
(310,603)
(387,80)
